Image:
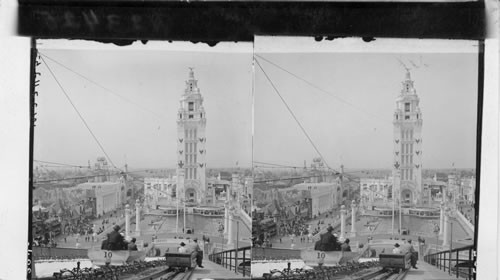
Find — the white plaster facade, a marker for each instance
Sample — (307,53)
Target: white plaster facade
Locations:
(375,191)
(191,152)
(408,143)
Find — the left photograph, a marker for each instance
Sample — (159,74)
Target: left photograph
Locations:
(142,161)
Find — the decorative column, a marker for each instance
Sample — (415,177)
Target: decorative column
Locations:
(226,216)
(446,232)
(353,217)
(441,219)
(230,230)
(127,220)
(137,217)
(342,222)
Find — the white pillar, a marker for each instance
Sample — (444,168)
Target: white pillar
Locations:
(230,230)
(353,217)
(226,217)
(446,232)
(342,222)
(137,217)
(441,219)
(127,220)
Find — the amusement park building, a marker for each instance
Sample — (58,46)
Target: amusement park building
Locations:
(375,191)
(108,196)
(323,196)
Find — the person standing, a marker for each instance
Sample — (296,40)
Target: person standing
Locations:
(199,253)
(413,255)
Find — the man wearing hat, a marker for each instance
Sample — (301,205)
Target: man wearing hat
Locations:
(396,249)
(115,239)
(413,255)
(199,252)
(183,248)
(327,241)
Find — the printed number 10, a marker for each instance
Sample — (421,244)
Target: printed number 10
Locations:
(108,254)
(321,255)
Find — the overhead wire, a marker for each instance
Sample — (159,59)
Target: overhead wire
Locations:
(286,179)
(78,112)
(103,87)
(89,176)
(62,164)
(291,112)
(278,165)
(321,89)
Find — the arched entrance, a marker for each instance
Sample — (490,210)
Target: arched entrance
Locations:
(191,195)
(406,196)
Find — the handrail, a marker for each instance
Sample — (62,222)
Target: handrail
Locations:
(463,265)
(232,259)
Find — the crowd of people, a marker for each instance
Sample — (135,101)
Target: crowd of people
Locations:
(296,226)
(44,241)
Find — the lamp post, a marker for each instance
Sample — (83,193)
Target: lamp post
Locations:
(393,209)
(177,216)
(451,215)
(184,225)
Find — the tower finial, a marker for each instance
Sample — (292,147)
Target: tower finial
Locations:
(408,76)
(191,73)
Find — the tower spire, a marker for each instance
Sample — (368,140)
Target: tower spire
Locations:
(191,73)
(408,76)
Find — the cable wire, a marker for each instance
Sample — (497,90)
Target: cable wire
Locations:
(293,115)
(81,117)
(320,89)
(57,163)
(104,88)
(286,179)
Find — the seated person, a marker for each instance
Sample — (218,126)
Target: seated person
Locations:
(396,249)
(132,246)
(115,239)
(183,248)
(104,244)
(328,242)
(345,246)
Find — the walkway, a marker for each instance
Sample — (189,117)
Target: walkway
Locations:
(214,271)
(426,271)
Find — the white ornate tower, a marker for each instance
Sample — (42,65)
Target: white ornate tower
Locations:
(191,141)
(408,143)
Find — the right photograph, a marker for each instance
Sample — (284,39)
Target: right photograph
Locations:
(364,158)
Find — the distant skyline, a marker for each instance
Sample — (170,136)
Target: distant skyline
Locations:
(133,108)
(345,101)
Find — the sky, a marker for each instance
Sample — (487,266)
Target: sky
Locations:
(131,104)
(343,94)
(345,101)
